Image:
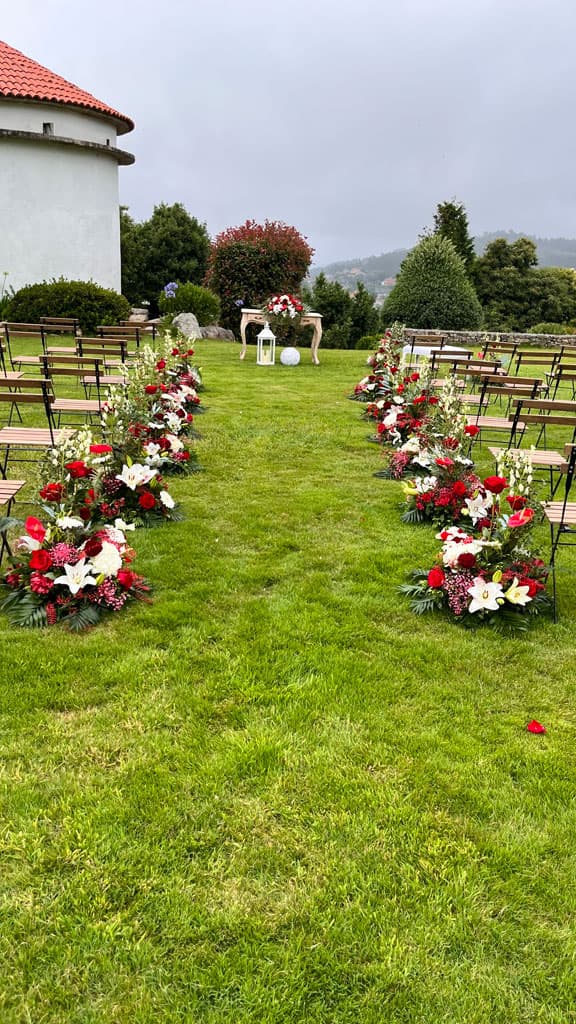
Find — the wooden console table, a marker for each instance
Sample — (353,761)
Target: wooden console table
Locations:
(256,316)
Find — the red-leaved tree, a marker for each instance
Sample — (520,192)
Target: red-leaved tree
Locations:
(249,263)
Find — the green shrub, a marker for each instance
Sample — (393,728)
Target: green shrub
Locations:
(90,303)
(368,342)
(191,298)
(432,290)
(551,329)
(337,336)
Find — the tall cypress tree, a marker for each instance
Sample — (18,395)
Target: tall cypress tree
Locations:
(451,221)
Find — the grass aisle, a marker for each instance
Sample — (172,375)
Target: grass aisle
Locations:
(275,796)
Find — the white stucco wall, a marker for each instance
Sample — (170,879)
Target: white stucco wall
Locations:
(59,203)
(68,122)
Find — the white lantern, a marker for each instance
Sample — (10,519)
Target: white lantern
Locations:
(266,352)
(289,357)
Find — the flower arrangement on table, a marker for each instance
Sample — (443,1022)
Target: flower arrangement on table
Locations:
(71,571)
(283,307)
(488,572)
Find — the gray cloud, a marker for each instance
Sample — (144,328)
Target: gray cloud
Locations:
(350,122)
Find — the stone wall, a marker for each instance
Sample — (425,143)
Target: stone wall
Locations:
(477,339)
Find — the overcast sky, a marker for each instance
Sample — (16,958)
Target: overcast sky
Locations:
(350,119)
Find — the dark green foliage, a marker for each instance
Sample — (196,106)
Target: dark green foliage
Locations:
(192,298)
(515,293)
(368,342)
(451,221)
(89,302)
(551,328)
(337,336)
(250,263)
(433,290)
(345,318)
(364,316)
(171,246)
(331,300)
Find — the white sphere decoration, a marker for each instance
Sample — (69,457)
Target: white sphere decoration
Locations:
(290,357)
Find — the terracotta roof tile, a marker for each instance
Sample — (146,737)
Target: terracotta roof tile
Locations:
(23,78)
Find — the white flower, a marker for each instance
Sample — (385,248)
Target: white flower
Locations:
(389,420)
(173,422)
(76,576)
(151,448)
(479,506)
(412,445)
(425,483)
(516,594)
(136,475)
(26,543)
(176,445)
(69,523)
(167,499)
(120,526)
(108,561)
(485,595)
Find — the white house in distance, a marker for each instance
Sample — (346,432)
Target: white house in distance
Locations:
(59,201)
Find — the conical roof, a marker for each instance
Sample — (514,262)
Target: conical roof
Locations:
(25,79)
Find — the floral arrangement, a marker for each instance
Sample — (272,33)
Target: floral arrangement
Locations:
(488,573)
(286,307)
(70,571)
(385,363)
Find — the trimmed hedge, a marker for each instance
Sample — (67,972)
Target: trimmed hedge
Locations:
(90,303)
(191,298)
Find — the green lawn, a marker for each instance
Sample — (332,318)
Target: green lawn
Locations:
(276,796)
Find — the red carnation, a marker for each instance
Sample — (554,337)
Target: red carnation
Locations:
(52,492)
(471,430)
(466,560)
(100,449)
(175,352)
(147,500)
(190,352)
(436,578)
(125,578)
(40,560)
(496,484)
(459,488)
(78,469)
(151,389)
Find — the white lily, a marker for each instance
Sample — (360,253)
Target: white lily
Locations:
(69,523)
(485,596)
(136,475)
(121,526)
(76,576)
(516,594)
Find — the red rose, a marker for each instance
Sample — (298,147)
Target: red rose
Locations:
(85,514)
(435,578)
(52,492)
(414,377)
(93,547)
(78,469)
(147,500)
(175,352)
(471,430)
(125,578)
(459,488)
(381,429)
(496,484)
(161,364)
(516,502)
(40,560)
(35,529)
(521,518)
(100,449)
(466,560)
(151,389)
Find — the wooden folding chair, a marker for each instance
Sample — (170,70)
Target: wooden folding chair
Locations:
(543,413)
(8,491)
(544,361)
(144,326)
(499,387)
(561,517)
(124,332)
(14,332)
(32,391)
(563,379)
(75,367)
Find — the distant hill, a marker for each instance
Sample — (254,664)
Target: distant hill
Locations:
(373,271)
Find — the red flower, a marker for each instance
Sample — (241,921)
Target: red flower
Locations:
(444,462)
(496,484)
(521,518)
(190,352)
(466,560)
(125,578)
(90,496)
(381,429)
(433,400)
(52,492)
(533,585)
(40,584)
(78,469)
(535,727)
(151,389)
(93,547)
(436,577)
(516,502)
(459,488)
(100,449)
(414,377)
(85,514)
(161,364)
(35,529)
(175,352)
(419,400)
(400,389)
(40,560)
(147,500)
(471,430)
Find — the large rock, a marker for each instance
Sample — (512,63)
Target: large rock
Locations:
(187,324)
(215,331)
(138,316)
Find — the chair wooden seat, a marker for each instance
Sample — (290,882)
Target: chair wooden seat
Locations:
(558,512)
(12,375)
(88,405)
(37,437)
(546,459)
(26,360)
(494,423)
(9,489)
(106,379)
(62,350)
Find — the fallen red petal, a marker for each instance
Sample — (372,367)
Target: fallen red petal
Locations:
(535,727)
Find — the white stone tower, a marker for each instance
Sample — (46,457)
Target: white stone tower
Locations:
(59,203)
